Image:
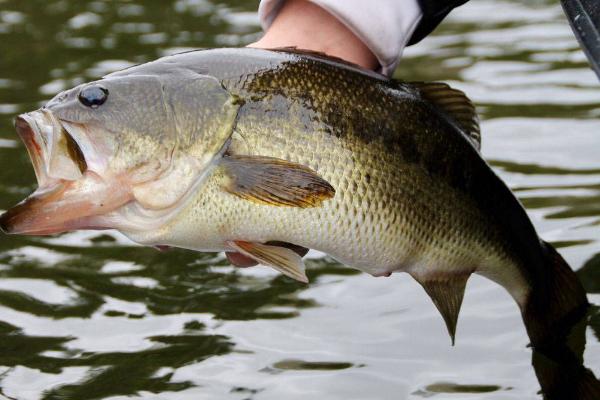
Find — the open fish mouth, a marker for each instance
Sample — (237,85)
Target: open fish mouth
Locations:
(54,152)
(71,187)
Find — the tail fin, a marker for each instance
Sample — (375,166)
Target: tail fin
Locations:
(556,303)
(563,376)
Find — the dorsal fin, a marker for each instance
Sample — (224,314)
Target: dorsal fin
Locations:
(454,103)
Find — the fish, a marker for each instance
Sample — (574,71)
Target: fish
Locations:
(265,152)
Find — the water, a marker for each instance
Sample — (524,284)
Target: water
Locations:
(88,315)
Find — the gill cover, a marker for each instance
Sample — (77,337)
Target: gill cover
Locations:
(203,114)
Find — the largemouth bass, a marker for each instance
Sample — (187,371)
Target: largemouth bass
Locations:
(241,149)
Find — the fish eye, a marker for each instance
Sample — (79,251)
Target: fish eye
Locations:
(93,96)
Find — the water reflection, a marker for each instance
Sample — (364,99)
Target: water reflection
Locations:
(112,373)
(182,282)
(88,315)
(110,289)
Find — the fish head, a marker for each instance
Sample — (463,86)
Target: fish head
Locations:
(123,143)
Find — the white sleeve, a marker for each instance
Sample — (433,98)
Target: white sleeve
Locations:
(385,27)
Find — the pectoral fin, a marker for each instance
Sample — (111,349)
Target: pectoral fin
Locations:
(274,181)
(446,292)
(281,259)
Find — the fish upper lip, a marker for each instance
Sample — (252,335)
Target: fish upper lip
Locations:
(30,134)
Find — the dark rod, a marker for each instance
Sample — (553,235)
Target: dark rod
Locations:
(584,17)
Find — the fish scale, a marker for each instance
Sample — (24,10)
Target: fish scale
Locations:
(253,151)
(354,226)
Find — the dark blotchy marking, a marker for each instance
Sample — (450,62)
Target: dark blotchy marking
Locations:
(354,106)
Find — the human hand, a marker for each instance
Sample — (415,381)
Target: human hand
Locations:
(307,26)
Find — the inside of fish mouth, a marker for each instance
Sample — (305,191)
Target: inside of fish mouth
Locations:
(45,141)
(75,151)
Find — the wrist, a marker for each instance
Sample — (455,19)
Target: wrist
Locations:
(304,25)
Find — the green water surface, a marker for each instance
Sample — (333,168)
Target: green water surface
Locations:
(89,315)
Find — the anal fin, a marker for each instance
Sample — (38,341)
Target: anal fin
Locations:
(447,292)
(279,258)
